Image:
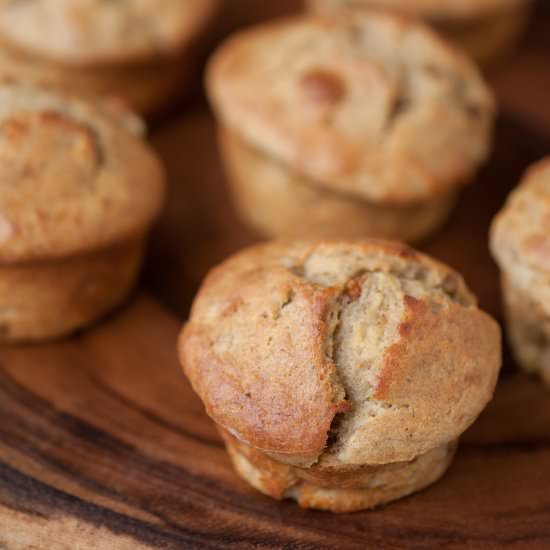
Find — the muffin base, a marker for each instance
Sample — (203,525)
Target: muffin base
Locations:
(278,203)
(338,489)
(528,329)
(145,87)
(48,299)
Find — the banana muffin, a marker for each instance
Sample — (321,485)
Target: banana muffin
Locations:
(485,29)
(348,126)
(78,193)
(339,373)
(520,242)
(141,50)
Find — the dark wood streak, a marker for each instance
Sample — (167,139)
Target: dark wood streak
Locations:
(254,506)
(17,490)
(182,489)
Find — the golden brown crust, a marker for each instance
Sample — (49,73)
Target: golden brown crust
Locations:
(273,199)
(277,334)
(338,490)
(357,103)
(50,299)
(444,367)
(286,405)
(73,178)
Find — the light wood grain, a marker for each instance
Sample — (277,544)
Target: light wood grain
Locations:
(103,445)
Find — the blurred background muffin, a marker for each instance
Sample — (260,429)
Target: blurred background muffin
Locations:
(143,51)
(349,125)
(484,28)
(520,242)
(78,194)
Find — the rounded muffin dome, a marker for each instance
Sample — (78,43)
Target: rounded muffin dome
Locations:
(72,177)
(340,353)
(521,231)
(367,104)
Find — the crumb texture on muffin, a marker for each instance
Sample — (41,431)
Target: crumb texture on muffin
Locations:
(73,178)
(520,243)
(520,234)
(372,105)
(340,353)
(98,30)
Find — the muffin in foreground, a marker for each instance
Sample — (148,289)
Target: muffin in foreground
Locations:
(78,193)
(485,29)
(520,242)
(339,373)
(348,126)
(140,50)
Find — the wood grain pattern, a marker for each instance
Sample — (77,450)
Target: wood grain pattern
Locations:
(103,444)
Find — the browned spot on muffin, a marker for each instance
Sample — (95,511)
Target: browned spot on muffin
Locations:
(354,289)
(405,328)
(407,253)
(322,86)
(13,129)
(539,245)
(412,324)
(85,144)
(413,304)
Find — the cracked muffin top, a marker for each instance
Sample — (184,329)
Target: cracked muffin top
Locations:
(369,104)
(431,9)
(520,234)
(98,31)
(72,177)
(341,353)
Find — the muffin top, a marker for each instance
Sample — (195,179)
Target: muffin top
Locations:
(369,104)
(339,352)
(99,31)
(520,235)
(72,177)
(431,9)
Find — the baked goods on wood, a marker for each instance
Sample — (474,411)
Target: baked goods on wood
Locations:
(520,241)
(78,193)
(348,126)
(340,373)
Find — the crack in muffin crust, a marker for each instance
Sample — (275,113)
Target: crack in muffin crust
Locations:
(339,373)
(313,290)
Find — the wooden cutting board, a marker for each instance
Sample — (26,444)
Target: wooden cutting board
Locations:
(103,445)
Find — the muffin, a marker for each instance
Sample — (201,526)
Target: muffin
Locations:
(348,126)
(520,242)
(141,50)
(485,29)
(78,193)
(339,373)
